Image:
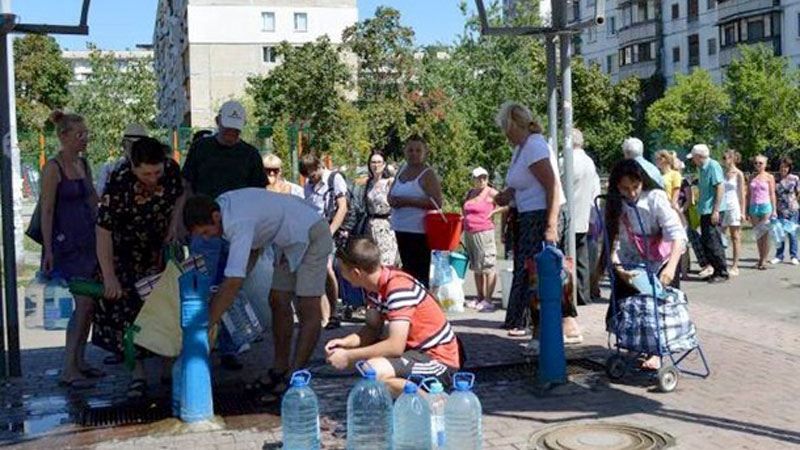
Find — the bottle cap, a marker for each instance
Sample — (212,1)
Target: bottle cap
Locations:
(462,385)
(301,378)
(410,388)
(370,374)
(436,388)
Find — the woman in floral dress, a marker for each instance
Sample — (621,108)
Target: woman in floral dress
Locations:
(378,210)
(137,217)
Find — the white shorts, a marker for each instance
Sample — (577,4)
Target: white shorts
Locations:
(732,217)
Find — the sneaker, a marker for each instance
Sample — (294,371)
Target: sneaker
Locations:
(472,304)
(794,262)
(775,261)
(734,272)
(485,306)
(706,272)
(532,349)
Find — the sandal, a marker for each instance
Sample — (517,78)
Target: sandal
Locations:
(517,332)
(91,372)
(276,393)
(333,323)
(260,385)
(137,389)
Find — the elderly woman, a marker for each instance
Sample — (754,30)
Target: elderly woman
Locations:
(534,187)
(275,181)
(416,191)
(786,190)
(478,210)
(69,207)
(376,200)
(136,213)
(761,201)
(657,241)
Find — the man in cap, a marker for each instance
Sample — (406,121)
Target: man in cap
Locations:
(711,208)
(215,165)
(132,133)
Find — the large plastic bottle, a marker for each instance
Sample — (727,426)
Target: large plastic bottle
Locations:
(300,414)
(369,413)
(462,415)
(242,323)
(412,421)
(34,301)
(58,304)
(437,399)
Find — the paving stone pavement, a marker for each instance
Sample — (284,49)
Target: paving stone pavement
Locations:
(749,402)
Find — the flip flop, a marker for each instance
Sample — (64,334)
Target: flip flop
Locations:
(80,383)
(516,332)
(574,339)
(260,385)
(92,372)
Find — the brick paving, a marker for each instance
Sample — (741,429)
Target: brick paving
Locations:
(750,401)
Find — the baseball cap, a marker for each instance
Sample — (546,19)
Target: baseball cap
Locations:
(135,130)
(232,115)
(479,172)
(699,150)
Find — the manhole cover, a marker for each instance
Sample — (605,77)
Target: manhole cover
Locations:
(599,436)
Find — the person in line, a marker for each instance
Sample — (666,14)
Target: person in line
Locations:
(416,191)
(633,148)
(327,192)
(273,170)
(533,185)
(761,207)
(665,161)
(712,210)
(214,165)
(376,200)
(787,190)
(136,213)
(420,341)
(133,132)
(479,211)
(586,187)
(68,211)
(735,197)
(252,220)
(656,242)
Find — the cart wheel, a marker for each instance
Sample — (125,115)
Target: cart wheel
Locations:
(667,378)
(348,313)
(616,367)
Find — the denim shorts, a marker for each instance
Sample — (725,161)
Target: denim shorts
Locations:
(760,209)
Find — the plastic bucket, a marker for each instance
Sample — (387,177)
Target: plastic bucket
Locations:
(443,233)
(459,262)
(506,278)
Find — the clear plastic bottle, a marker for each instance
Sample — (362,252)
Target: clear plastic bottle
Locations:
(412,421)
(58,304)
(300,414)
(462,415)
(242,323)
(34,301)
(437,399)
(369,413)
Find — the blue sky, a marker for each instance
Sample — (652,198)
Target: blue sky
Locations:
(121,24)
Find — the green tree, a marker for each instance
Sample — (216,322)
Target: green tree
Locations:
(690,111)
(308,87)
(112,97)
(764,95)
(41,80)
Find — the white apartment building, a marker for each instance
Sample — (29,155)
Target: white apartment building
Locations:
(206,49)
(82,68)
(644,37)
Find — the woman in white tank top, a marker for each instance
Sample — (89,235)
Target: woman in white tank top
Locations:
(410,198)
(734,198)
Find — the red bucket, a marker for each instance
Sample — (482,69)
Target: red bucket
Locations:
(443,233)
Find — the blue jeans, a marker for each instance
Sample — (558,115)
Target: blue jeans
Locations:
(792,237)
(215,254)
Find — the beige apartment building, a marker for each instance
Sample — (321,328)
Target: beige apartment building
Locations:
(205,50)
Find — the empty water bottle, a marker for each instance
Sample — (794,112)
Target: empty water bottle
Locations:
(369,413)
(437,399)
(300,414)
(34,301)
(412,421)
(241,322)
(58,304)
(462,415)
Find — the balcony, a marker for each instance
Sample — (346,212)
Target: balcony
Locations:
(733,9)
(641,70)
(640,31)
(731,52)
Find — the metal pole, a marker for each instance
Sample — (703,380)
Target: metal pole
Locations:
(569,168)
(552,93)
(6,186)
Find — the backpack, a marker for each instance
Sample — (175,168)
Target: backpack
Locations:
(354,220)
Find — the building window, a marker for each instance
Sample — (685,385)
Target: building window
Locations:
(643,14)
(712,46)
(710,4)
(268,55)
(694,50)
(612,25)
(693,10)
(643,51)
(676,54)
(798,24)
(755,30)
(609,63)
(676,11)
(301,22)
(268,21)
(729,35)
(576,10)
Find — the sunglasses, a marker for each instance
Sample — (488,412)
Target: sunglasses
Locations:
(271,170)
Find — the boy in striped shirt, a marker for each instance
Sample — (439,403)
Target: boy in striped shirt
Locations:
(420,340)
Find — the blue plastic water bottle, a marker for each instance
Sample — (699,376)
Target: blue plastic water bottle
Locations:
(437,399)
(300,414)
(462,415)
(412,421)
(34,301)
(58,304)
(369,413)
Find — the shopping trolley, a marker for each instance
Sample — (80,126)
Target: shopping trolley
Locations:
(648,334)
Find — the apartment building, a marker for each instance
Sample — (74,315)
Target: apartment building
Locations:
(82,67)
(206,49)
(646,37)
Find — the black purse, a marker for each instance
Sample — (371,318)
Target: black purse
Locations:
(34,230)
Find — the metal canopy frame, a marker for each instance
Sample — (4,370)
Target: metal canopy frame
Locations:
(10,361)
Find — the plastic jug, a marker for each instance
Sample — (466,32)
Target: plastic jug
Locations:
(369,413)
(34,301)
(412,421)
(242,323)
(300,414)
(462,415)
(437,400)
(58,304)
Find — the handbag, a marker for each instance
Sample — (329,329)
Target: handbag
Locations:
(652,248)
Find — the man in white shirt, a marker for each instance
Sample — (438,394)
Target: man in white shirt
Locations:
(586,187)
(251,220)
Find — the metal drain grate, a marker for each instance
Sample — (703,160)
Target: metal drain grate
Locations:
(516,371)
(608,436)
